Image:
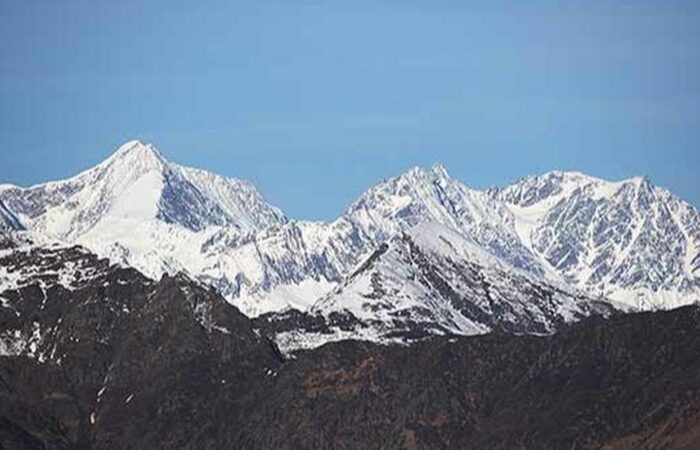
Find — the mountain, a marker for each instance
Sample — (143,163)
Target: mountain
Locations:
(431,195)
(94,355)
(91,353)
(432,281)
(294,264)
(136,185)
(628,241)
(630,381)
(150,305)
(142,211)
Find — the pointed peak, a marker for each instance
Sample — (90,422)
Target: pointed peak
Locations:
(136,152)
(435,171)
(642,183)
(415,170)
(641,179)
(439,170)
(139,148)
(128,145)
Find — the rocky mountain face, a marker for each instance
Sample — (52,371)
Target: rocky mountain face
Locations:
(8,221)
(98,356)
(629,240)
(630,381)
(418,196)
(431,281)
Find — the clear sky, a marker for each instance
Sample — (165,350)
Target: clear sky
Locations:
(316,101)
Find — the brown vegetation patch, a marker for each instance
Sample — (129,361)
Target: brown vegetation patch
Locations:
(343,383)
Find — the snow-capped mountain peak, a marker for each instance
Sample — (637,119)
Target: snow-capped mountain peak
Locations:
(135,207)
(138,152)
(628,239)
(439,170)
(555,184)
(137,183)
(432,195)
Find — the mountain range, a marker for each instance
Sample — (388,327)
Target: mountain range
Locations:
(417,251)
(94,355)
(144,304)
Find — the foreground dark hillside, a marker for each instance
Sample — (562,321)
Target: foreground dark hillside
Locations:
(114,360)
(627,382)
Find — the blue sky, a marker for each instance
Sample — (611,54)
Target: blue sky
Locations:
(316,101)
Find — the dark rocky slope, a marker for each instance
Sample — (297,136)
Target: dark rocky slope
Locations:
(630,381)
(115,360)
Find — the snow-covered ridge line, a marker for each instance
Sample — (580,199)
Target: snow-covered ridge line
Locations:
(627,240)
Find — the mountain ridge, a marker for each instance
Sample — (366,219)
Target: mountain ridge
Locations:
(222,232)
